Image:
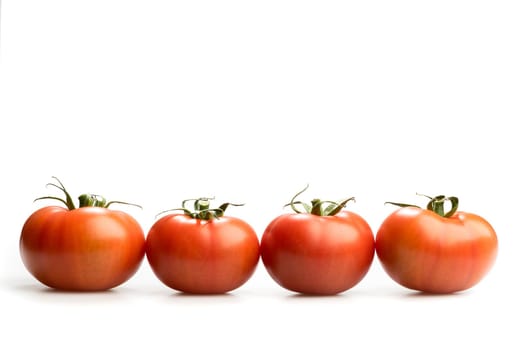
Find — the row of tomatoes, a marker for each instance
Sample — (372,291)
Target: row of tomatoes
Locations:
(320,248)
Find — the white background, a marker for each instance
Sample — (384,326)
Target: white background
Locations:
(156,101)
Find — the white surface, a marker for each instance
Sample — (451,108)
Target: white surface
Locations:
(156,101)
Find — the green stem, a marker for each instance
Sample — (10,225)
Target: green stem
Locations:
(85,200)
(91,200)
(68,201)
(293,202)
(436,205)
(317,206)
(201,209)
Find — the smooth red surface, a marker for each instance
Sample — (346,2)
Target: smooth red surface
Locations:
(313,254)
(202,256)
(424,251)
(84,249)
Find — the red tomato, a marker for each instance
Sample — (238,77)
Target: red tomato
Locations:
(84,249)
(430,251)
(202,254)
(320,253)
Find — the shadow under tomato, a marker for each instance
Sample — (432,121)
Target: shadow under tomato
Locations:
(42,289)
(426,295)
(77,292)
(44,294)
(186,295)
(297,296)
(199,299)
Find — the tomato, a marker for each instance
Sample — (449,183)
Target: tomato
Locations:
(202,252)
(322,251)
(90,248)
(436,252)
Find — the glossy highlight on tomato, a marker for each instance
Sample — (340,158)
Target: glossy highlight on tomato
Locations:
(90,248)
(436,252)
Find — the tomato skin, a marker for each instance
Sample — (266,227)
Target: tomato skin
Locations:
(85,249)
(423,251)
(321,255)
(202,256)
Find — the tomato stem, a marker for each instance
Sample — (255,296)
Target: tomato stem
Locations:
(436,205)
(201,209)
(317,206)
(85,200)
(68,202)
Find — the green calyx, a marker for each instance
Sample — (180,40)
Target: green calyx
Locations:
(201,209)
(317,206)
(85,200)
(436,204)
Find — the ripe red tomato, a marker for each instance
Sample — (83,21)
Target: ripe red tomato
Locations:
(322,251)
(91,248)
(436,252)
(202,252)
